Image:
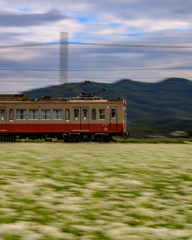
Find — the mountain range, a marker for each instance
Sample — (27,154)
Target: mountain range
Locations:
(170,98)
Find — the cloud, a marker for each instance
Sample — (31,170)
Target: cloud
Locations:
(109,21)
(29,19)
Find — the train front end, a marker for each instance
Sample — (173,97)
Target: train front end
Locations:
(125,133)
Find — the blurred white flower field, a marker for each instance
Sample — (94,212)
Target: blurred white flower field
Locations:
(95,191)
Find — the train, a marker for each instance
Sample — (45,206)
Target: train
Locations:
(86,117)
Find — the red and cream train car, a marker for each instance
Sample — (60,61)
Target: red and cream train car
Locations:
(70,119)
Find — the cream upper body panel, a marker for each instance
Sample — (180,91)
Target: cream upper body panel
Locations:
(55,111)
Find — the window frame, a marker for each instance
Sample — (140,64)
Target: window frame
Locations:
(114,108)
(101,114)
(76,110)
(86,110)
(22,119)
(95,112)
(47,119)
(33,114)
(57,114)
(67,115)
(3,114)
(10,114)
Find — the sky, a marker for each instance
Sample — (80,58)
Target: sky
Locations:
(111,25)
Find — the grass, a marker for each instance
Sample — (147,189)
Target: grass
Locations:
(129,140)
(95,191)
(167,140)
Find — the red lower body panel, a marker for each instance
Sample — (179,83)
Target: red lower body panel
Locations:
(61,128)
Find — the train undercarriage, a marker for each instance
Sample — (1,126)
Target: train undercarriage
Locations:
(66,137)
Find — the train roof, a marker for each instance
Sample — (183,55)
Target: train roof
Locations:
(14,97)
(25,98)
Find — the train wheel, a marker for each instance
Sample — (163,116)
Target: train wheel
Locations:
(99,140)
(6,138)
(71,139)
(78,139)
(12,138)
(106,139)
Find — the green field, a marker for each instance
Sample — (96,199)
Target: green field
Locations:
(95,191)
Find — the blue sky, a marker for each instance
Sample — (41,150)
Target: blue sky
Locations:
(107,22)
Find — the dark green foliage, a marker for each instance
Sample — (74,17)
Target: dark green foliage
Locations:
(155,126)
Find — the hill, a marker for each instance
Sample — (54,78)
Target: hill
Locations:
(171,98)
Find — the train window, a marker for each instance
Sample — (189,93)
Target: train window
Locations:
(11,114)
(2,114)
(113,112)
(85,114)
(57,114)
(76,114)
(101,113)
(33,114)
(93,113)
(45,114)
(67,114)
(21,114)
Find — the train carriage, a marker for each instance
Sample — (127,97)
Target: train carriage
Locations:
(85,117)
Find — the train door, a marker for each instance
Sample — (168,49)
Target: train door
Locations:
(77,118)
(113,118)
(3,120)
(81,119)
(84,118)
